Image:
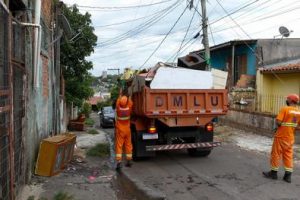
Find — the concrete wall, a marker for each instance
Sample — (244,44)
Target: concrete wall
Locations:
(279,50)
(40,118)
(253,122)
(219,58)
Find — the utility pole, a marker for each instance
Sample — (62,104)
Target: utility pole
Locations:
(205,36)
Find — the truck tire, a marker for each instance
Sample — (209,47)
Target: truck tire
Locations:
(198,153)
(134,144)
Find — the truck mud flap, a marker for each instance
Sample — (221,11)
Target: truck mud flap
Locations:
(183,146)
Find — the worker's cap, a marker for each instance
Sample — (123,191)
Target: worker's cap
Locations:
(123,101)
(293,98)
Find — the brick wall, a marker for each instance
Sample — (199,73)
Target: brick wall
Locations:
(47,11)
(45,76)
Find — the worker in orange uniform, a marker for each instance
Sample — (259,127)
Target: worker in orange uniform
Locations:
(287,120)
(122,130)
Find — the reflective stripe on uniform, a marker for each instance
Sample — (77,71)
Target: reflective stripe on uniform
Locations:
(129,155)
(123,118)
(127,108)
(274,168)
(287,124)
(288,169)
(118,155)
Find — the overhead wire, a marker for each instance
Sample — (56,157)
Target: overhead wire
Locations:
(233,19)
(141,27)
(232,12)
(192,40)
(195,9)
(282,82)
(128,21)
(259,18)
(163,38)
(121,7)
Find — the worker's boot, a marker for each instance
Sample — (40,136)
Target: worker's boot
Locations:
(271,174)
(287,177)
(119,166)
(128,163)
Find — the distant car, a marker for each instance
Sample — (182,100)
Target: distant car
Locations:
(107,116)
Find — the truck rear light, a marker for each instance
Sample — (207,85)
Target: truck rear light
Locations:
(152,130)
(209,127)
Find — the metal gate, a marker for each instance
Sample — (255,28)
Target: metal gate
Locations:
(5,107)
(12,112)
(18,77)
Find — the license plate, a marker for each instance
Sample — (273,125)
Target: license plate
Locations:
(147,136)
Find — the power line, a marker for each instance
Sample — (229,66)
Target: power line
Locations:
(235,11)
(128,21)
(181,50)
(141,27)
(122,7)
(195,9)
(233,19)
(259,19)
(164,38)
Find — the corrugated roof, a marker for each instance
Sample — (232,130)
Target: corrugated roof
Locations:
(291,67)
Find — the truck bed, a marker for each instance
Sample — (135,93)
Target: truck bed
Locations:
(180,107)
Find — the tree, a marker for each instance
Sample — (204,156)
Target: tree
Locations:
(73,53)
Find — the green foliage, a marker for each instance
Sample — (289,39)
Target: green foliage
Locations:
(63,196)
(114,92)
(100,150)
(73,53)
(86,109)
(103,104)
(31,198)
(89,122)
(93,132)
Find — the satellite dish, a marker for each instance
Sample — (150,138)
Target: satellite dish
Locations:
(66,26)
(284,31)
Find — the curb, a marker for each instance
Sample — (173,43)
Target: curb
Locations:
(138,188)
(133,185)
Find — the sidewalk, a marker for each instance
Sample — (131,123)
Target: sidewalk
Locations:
(249,140)
(85,177)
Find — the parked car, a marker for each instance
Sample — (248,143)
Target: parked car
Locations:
(107,116)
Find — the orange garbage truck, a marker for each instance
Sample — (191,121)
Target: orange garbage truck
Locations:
(173,109)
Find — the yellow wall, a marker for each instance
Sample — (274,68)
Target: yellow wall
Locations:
(273,88)
(285,84)
(281,84)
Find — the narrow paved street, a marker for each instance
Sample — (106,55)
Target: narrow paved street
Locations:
(230,172)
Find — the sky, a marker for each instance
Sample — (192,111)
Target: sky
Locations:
(140,33)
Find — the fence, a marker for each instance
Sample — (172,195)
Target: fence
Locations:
(18,77)
(262,103)
(5,107)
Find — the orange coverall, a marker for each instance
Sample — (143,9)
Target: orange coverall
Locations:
(284,138)
(122,130)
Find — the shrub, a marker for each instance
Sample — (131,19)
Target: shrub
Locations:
(93,132)
(86,109)
(89,122)
(100,150)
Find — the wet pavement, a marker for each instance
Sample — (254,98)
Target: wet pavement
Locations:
(232,171)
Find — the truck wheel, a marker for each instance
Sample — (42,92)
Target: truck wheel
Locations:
(134,140)
(198,153)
